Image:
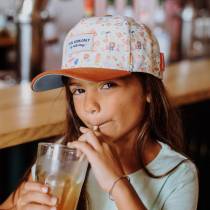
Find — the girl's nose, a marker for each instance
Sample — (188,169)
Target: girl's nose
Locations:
(91,104)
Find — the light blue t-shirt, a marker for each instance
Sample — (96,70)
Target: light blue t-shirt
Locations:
(176,191)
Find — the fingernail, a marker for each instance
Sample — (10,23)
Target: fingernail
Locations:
(78,153)
(53,208)
(81,128)
(68,144)
(95,127)
(71,145)
(54,200)
(44,189)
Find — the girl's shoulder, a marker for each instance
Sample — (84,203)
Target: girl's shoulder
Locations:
(173,169)
(169,159)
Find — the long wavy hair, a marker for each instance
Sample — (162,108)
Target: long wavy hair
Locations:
(160,122)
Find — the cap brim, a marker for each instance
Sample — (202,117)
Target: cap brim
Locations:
(53,78)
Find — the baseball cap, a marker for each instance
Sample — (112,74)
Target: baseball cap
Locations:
(105,48)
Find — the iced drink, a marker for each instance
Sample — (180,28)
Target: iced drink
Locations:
(59,168)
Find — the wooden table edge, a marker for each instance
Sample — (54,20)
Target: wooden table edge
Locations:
(40,132)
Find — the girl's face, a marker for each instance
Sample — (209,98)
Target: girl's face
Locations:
(116,106)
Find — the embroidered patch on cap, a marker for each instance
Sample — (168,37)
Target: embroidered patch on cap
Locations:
(80,43)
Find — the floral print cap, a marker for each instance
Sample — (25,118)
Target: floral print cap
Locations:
(105,48)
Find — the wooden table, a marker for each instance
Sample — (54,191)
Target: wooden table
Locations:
(26,116)
(188,81)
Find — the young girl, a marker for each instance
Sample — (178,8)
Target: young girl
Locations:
(119,116)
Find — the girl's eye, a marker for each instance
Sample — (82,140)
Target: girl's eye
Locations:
(77,91)
(108,85)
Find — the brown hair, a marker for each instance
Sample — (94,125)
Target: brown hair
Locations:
(161,122)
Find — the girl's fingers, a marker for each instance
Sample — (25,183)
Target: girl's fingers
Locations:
(33,206)
(38,197)
(84,129)
(89,136)
(84,147)
(34,186)
(94,130)
(34,192)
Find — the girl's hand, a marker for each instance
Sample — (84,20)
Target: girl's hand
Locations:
(34,196)
(102,157)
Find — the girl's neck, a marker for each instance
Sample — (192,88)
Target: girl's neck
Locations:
(129,155)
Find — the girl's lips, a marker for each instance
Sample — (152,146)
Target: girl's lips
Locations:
(103,124)
(96,127)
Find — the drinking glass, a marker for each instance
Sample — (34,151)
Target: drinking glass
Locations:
(59,167)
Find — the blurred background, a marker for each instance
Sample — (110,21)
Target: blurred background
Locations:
(31,36)
(32,31)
